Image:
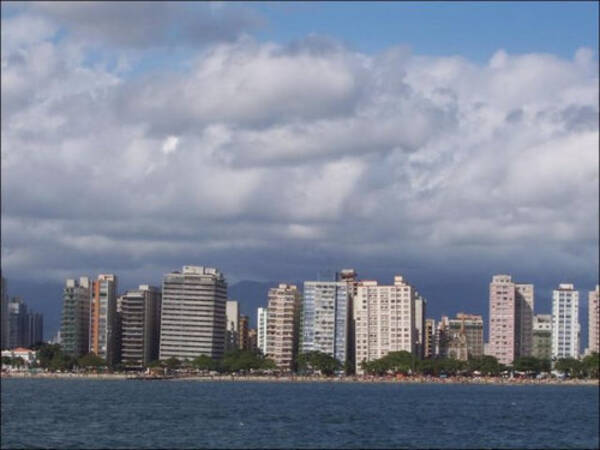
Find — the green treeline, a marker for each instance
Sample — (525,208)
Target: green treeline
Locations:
(51,357)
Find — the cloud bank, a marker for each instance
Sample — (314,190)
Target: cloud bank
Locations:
(275,161)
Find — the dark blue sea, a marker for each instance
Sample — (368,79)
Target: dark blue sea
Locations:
(189,414)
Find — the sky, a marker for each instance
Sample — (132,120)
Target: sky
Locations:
(443,141)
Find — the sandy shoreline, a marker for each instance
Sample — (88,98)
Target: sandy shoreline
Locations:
(301,379)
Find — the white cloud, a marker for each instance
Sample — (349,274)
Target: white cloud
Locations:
(170,144)
(260,147)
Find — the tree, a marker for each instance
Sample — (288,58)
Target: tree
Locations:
(316,361)
(400,362)
(91,360)
(155,363)
(570,366)
(61,361)
(172,363)
(204,362)
(486,365)
(531,365)
(46,354)
(591,365)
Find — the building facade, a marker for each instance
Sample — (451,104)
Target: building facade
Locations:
(384,317)
(565,322)
(35,329)
(261,331)
(252,340)
(594,320)
(420,311)
(471,325)
(140,325)
(75,322)
(104,321)
(193,313)
(511,319)
(542,336)
(325,318)
(232,332)
(244,344)
(17,323)
(429,347)
(524,296)
(4,318)
(283,317)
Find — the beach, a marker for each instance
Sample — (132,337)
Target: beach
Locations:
(309,379)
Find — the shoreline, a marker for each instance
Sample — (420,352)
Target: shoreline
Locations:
(305,379)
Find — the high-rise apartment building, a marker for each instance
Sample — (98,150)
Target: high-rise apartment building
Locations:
(104,321)
(17,323)
(232,332)
(565,322)
(35,329)
(140,325)
(75,323)
(542,336)
(384,318)
(594,320)
(429,347)
(524,296)
(511,319)
(420,311)
(325,318)
(243,339)
(282,325)
(193,313)
(4,317)
(261,332)
(252,339)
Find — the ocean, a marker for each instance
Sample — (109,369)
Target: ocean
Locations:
(80,413)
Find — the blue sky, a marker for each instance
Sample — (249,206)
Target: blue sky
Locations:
(474,30)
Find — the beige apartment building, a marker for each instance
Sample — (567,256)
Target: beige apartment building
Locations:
(283,317)
(511,319)
(593,321)
(104,322)
(384,318)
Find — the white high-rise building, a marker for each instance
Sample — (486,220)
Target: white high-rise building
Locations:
(594,321)
(193,313)
(232,332)
(384,317)
(325,318)
(565,322)
(261,319)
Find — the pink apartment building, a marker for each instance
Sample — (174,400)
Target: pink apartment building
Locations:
(511,319)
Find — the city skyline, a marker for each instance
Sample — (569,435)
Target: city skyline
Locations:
(272,141)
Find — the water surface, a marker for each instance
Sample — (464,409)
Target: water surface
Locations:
(188,414)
